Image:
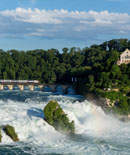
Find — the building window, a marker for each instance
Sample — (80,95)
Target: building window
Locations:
(127,57)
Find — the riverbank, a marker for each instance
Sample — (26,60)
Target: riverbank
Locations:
(109,106)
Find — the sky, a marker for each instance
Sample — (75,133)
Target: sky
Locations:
(45,24)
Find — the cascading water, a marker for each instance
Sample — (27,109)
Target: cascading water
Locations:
(97,133)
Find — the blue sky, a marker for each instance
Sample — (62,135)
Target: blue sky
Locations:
(36,24)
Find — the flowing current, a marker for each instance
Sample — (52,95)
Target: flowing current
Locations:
(96,132)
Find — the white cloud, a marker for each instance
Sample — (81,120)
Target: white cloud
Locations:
(63,24)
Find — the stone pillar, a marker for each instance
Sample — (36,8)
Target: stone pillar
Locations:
(31,87)
(53,87)
(1,87)
(10,87)
(41,86)
(65,87)
(21,87)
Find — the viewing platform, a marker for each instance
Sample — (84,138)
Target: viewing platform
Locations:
(31,85)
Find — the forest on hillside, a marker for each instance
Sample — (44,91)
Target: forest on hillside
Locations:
(92,67)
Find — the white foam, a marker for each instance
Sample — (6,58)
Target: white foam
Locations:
(90,120)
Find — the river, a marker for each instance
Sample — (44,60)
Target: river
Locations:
(97,133)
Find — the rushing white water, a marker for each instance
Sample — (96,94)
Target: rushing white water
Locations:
(97,133)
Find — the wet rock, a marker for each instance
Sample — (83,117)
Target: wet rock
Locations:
(10,131)
(55,116)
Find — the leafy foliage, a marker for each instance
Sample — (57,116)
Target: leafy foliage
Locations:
(10,131)
(49,110)
(56,117)
(92,68)
(121,102)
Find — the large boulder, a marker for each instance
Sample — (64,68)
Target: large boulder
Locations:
(55,116)
(10,131)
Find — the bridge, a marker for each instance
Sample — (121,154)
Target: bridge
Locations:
(33,86)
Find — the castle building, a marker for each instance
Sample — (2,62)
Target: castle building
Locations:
(124,58)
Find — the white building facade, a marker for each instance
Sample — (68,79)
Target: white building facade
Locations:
(124,57)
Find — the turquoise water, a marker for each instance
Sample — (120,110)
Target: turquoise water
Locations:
(96,132)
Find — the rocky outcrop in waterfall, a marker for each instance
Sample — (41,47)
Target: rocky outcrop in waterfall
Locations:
(10,131)
(55,116)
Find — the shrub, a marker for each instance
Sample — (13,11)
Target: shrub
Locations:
(56,117)
(49,110)
(10,131)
